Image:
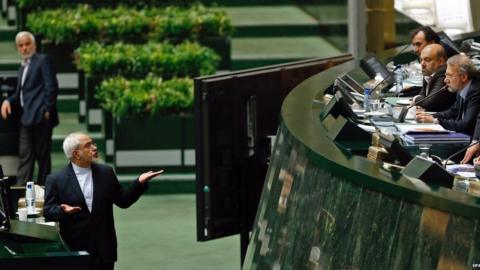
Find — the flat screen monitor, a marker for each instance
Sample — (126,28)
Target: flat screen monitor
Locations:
(348,93)
(351,83)
(397,152)
(336,106)
(4,203)
(448,44)
(371,65)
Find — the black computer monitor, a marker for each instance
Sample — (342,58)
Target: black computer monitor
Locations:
(351,83)
(336,106)
(397,152)
(448,44)
(347,93)
(4,203)
(371,65)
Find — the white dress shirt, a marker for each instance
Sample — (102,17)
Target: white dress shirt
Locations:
(25,64)
(85,180)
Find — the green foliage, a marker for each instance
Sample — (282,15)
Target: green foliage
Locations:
(44,4)
(175,23)
(149,96)
(162,59)
(73,26)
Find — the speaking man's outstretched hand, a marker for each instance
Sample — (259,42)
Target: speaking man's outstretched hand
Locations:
(70,209)
(6,109)
(147,176)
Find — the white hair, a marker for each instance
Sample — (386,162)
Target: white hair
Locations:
(71,143)
(25,33)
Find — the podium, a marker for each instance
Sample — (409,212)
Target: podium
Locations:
(33,246)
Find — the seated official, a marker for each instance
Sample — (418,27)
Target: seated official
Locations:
(432,59)
(460,78)
(421,37)
(424,35)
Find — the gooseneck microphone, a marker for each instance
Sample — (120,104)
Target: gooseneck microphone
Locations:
(458,152)
(403,113)
(400,52)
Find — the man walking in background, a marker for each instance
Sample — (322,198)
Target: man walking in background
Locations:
(35,98)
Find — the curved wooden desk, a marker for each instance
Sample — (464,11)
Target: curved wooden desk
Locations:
(325,208)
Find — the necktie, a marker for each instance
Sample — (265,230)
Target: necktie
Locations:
(462,107)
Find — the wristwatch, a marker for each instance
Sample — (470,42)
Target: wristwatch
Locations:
(435,120)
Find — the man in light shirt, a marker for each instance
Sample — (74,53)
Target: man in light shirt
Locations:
(81,196)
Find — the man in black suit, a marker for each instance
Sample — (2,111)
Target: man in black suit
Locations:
(424,35)
(433,61)
(421,37)
(35,98)
(460,78)
(81,197)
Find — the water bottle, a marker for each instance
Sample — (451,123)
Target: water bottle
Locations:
(30,198)
(399,80)
(366,99)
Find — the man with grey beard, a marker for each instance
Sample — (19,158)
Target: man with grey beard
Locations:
(461,78)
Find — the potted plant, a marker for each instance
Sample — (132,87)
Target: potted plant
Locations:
(153,120)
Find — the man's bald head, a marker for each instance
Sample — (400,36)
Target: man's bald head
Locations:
(432,58)
(437,50)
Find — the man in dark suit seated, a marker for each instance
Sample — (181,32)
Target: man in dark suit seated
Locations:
(81,196)
(433,60)
(36,99)
(421,37)
(460,78)
(425,35)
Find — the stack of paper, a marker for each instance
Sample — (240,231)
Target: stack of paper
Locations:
(404,128)
(430,133)
(436,137)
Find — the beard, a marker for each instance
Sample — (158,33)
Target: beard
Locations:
(27,55)
(451,90)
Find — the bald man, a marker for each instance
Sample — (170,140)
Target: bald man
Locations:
(433,61)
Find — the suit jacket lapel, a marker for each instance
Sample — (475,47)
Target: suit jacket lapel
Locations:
(20,74)
(96,182)
(31,68)
(76,187)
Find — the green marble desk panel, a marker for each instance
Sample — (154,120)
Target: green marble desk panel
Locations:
(34,246)
(325,208)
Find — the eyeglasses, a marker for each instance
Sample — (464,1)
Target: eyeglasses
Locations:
(450,75)
(90,145)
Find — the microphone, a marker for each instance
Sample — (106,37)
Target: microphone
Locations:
(458,152)
(403,113)
(398,53)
